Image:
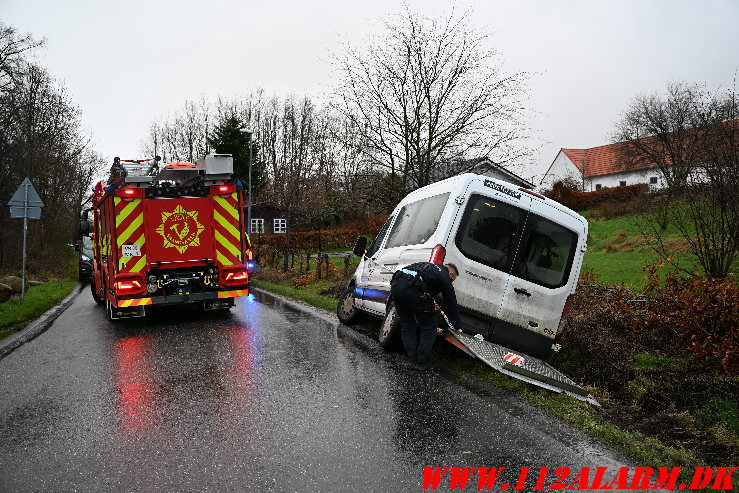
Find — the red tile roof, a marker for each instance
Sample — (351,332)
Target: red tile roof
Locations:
(601,160)
(604,160)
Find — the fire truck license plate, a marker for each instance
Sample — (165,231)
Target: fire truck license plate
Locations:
(131,251)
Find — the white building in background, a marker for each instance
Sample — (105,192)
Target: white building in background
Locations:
(597,168)
(482,166)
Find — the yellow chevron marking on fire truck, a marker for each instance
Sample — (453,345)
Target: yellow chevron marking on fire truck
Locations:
(228,245)
(233,294)
(222,259)
(140,264)
(131,229)
(229,208)
(229,227)
(126,211)
(139,302)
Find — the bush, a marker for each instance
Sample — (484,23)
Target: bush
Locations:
(305,241)
(580,201)
(704,313)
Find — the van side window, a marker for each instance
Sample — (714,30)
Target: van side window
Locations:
(547,256)
(417,221)
(489,231)
(378,239)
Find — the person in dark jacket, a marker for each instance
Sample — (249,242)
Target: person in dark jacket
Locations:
(413,289)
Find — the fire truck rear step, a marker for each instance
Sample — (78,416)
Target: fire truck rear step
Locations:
(526,368)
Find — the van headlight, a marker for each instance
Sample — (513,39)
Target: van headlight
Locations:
(85,258)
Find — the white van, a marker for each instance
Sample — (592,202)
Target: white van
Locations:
(518,253)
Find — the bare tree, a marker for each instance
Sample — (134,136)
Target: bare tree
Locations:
(14,50)
(661,130)
(693,136)
(41,138)
(427,92)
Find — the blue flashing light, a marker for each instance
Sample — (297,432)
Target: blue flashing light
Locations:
(250,265)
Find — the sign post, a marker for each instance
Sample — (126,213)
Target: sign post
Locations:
(27,204)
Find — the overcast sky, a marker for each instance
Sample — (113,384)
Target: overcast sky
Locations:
(128,63)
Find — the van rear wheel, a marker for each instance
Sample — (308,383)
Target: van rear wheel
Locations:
(346,311)
(389,336)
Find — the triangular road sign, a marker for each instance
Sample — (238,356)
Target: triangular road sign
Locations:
(19,197)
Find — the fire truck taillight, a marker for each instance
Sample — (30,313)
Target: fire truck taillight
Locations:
(236,276)
(124,286)
(128,191)
(437,255)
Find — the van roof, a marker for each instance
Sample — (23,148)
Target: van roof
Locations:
(461,181)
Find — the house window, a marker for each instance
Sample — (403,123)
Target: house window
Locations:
(280,225)
(622,183)
(653,180)
(598,186)
(257,225)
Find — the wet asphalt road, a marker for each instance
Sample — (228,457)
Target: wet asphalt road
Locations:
(261,398)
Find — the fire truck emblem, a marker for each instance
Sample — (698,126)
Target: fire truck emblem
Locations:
(180,229)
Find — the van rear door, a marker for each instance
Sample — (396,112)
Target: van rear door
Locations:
(545,270)
(483,243)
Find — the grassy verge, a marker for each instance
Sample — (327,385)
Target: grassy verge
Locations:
(308,296)
(17,313)
(645,450)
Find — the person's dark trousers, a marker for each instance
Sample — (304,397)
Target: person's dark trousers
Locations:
(409,310)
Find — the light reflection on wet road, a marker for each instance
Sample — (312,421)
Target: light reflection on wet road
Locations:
(263,397)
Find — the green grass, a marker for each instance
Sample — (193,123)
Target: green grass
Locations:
(654,362)
(17,313)
(618,267)
(719,411)
(308,295)
(645,450)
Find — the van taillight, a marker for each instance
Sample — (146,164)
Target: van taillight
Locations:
(437,255)
(568,305)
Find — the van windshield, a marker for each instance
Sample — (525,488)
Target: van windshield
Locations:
(495,234)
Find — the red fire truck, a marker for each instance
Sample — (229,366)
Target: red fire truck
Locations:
(169,236)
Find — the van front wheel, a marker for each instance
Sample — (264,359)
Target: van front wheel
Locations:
(346,311)
(390,329)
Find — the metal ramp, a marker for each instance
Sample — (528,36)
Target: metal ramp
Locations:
(518,365)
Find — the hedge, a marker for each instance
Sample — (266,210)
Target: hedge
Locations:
(580,201)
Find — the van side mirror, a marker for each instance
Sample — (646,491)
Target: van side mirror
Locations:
(84,227)
(360,246)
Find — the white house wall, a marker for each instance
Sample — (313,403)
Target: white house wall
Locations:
(629,177)
(562,168)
